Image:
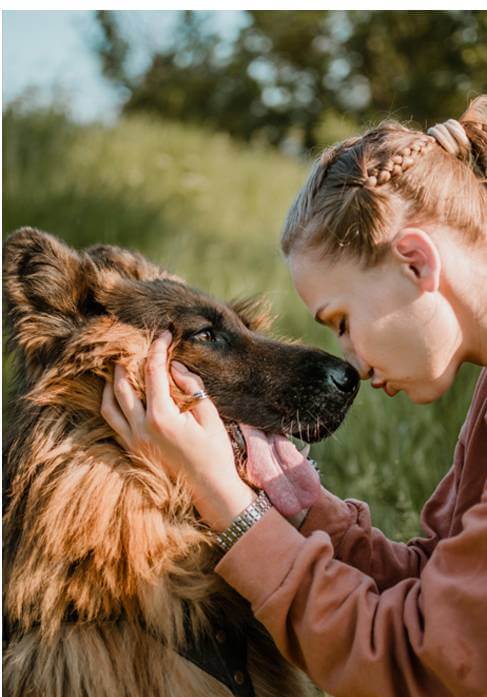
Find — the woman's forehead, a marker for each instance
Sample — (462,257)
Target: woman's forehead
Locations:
(335,282)
(311,273)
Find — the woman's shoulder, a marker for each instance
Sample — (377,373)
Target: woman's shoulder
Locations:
(479,399)
(475,426)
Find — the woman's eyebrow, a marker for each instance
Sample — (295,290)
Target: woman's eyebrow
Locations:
(318,312)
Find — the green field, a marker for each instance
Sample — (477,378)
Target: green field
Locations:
(211,211)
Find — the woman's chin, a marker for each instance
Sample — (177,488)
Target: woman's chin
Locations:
(427,392)
(421,397)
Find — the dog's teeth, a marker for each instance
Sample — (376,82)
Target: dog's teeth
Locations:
(305,451)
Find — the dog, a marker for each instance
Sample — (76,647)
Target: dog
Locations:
(108,569)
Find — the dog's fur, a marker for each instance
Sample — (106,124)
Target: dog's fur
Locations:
(104,554)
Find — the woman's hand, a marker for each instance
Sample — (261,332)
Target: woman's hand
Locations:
(193,443)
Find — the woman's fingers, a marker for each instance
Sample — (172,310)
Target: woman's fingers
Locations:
(204,409)
(113,415)
(129,403)
(159,401)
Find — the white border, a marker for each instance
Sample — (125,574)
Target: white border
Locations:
(220,5)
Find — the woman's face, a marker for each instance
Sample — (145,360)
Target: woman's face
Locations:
(391,330)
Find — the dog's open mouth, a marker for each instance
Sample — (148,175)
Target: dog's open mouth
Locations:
(240,447)
(239,444)
(277,463)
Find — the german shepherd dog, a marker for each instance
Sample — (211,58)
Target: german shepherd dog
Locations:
(109,584)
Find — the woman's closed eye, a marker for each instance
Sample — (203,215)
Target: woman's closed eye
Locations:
(342,326)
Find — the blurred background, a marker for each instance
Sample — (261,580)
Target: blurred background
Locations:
(186,135)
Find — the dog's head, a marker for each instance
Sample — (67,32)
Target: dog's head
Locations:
(56,297)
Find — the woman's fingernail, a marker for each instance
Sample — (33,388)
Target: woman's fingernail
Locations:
(164,338)
(162,342)
(180,367)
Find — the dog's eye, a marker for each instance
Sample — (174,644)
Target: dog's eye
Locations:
(209,336)
(205,335)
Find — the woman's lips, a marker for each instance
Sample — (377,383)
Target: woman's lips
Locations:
(382,384)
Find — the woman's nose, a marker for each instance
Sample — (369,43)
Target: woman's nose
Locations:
(360,365)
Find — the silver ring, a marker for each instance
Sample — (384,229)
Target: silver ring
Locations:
(200,394)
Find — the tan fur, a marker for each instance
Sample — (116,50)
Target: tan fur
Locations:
(105,536)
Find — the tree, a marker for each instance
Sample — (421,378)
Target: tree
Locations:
(288,70)
(420,63)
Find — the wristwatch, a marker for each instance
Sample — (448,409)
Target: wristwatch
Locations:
(244,521)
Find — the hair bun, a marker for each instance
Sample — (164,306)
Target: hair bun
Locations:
(474,121)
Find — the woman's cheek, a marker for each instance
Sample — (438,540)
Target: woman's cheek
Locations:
(442,339)
(388,348)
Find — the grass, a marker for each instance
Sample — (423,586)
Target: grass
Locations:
(211,210)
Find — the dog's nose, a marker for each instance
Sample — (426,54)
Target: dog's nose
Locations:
(345,377)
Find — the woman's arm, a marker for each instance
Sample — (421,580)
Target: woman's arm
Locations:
(356,542)
(420,637)
(359,544)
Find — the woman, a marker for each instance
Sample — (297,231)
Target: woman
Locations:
(387,246)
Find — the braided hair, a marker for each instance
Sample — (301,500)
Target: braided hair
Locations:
(360,191)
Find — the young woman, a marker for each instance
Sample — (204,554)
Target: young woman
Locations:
(387,245)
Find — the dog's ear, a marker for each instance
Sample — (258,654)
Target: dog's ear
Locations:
(123,263)
(117,276)
(44,288)
(255,312)
(41,273)
(51,289)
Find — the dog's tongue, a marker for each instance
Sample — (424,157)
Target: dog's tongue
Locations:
(275,465)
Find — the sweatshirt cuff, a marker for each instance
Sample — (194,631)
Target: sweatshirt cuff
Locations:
(330,514)
(257,564)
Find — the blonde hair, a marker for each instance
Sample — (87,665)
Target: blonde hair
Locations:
(361,190)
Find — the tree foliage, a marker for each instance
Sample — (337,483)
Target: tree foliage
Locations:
(286,72)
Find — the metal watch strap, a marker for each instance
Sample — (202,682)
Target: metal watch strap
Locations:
(243,522)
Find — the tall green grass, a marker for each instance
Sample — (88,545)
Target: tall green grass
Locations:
(211,210)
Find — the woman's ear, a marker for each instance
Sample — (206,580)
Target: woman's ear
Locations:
(418,254)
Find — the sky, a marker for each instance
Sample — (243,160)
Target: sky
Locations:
(51,53)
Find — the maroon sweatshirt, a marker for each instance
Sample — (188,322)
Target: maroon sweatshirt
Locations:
(368,617)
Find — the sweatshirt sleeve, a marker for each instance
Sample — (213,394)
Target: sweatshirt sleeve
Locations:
(421,637)
(357,543)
